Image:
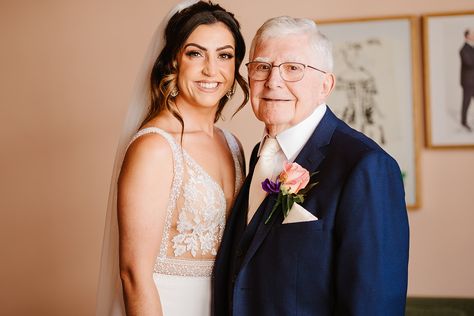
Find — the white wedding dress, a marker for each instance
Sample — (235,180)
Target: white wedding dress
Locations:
(195,220)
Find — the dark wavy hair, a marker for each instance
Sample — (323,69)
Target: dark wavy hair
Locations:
(165,70)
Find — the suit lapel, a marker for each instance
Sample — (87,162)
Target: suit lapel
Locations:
(262,229)
(313,151)
(310,158)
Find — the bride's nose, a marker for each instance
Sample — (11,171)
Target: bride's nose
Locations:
(210,67)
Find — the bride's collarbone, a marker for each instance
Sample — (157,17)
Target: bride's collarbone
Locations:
(210,152)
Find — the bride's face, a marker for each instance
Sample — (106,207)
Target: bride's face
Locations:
(206,66)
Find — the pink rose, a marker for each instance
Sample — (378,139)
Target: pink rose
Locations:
(293,178)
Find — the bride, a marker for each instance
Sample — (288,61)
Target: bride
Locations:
(179,174)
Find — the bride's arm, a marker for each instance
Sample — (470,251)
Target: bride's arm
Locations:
(143,189)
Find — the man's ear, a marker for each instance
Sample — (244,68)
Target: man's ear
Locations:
(328,85)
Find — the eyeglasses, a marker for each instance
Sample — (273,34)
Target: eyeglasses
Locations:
(290,71)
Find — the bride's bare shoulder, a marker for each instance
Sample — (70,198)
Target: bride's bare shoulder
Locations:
(149,152)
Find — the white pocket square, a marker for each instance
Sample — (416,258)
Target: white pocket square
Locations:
(299,214)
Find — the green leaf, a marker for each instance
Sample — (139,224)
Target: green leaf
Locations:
(290,205)
(299,198)
(273,210)
(279,199)
(307,188)
(289,201)
(314,173)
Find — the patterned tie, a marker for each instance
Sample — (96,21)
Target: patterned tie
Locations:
(263,169)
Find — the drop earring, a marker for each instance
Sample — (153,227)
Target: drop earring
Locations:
(174,92)
(229,94)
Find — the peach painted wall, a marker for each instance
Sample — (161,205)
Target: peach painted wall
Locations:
(66,74)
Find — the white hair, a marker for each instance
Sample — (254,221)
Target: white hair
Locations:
(285,25)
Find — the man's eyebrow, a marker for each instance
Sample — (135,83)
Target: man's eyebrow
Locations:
(264,59)
(290,58)
(205,49)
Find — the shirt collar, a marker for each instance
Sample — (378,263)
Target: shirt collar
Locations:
(294,138)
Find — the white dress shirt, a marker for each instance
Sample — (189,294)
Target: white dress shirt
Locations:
(293,139)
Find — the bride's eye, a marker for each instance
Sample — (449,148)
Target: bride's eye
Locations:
(193,53)
(226,55)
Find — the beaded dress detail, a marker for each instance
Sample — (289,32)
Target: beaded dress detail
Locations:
(196,212)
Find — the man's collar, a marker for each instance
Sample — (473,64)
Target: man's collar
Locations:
(294,138)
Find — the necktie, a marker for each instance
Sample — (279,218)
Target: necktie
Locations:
(263,169)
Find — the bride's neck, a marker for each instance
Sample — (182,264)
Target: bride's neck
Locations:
(197,119)
(194,122)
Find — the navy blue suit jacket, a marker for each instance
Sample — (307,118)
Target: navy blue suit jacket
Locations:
(352,261)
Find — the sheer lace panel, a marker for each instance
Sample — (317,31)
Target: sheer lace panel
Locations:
(196,212)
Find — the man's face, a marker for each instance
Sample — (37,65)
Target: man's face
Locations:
(280,104)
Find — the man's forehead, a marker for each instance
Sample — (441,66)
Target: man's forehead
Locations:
(283,49)
(281,58)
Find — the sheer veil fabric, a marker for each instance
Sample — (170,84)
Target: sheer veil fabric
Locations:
(109,293)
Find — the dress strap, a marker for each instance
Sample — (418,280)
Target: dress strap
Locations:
(156,130)
(237,157)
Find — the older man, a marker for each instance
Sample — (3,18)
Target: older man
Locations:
(343,248)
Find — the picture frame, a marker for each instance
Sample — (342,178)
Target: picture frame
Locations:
(378,86)
(443,40)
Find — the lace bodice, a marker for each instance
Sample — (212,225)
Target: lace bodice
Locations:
(196,212)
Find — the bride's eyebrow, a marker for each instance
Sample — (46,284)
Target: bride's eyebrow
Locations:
(225,47)
(205,49)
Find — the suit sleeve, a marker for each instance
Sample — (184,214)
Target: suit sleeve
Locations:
(467,58)
(372,240)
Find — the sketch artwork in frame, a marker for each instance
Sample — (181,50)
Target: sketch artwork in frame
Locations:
(448,42)
(377,93)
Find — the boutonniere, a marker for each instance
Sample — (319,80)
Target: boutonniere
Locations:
(291,185)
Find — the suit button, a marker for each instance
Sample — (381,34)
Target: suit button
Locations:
(239,253)
(234,277)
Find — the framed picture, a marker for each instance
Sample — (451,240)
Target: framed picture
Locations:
(448,46)
(378,86)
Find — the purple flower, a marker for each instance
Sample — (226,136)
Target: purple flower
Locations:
(270,186)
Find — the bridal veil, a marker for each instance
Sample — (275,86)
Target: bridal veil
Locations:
(109,294)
